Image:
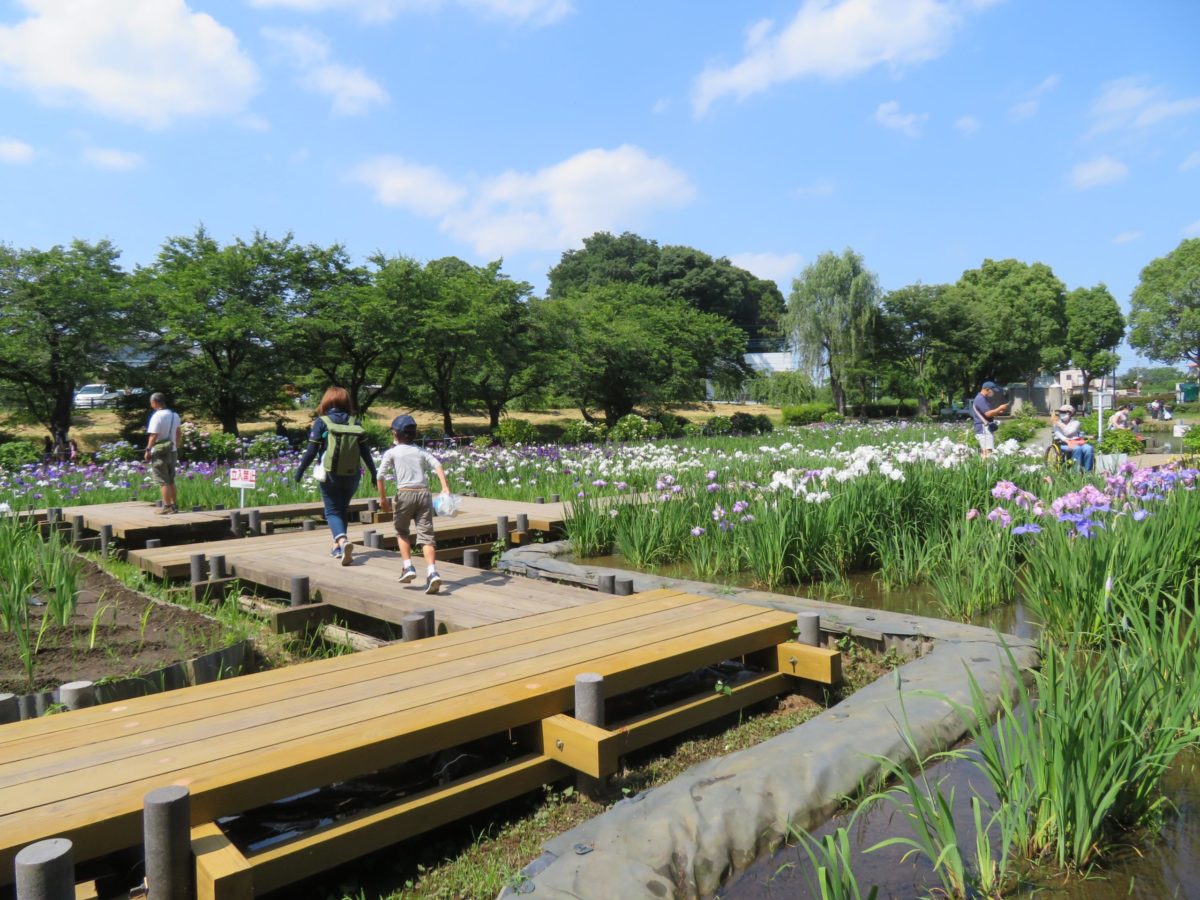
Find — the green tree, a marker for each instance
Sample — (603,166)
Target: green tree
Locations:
(712,285)
(913,341)
(623,346)
(1016,313)
(831,317)
(1095,327)
(1151,379)
(510,355)
(1165,312)
(223,318)
(66,317)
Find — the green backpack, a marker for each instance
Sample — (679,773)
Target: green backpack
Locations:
(341,454)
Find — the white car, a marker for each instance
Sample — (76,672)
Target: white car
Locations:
(92,395)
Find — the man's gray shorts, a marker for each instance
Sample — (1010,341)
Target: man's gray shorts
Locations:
(162,466)
(414,507)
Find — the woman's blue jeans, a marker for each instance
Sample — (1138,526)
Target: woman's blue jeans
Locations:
(337,491)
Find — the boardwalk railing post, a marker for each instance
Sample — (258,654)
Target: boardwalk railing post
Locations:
(255,518)
(167,832)
(623,587)
(589,708)
(413,627)
(471,558)
(77,694)
(216,566)
(808,628)
(300,590)
(46,871)
(76,530)
(105,540)
(607,584)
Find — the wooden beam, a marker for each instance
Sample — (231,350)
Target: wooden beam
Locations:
(813,663)
(222,872)
(287,863)
(296,618)
(596,751)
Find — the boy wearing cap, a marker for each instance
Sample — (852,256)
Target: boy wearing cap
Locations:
(413,502)
(982,413)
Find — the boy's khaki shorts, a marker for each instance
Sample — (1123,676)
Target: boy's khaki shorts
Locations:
(415,508)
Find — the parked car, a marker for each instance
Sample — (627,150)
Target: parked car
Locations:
(91,396)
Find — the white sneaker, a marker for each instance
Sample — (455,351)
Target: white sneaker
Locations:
(409,574)
(433,583)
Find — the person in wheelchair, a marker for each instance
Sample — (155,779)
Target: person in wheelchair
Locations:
(1071,441)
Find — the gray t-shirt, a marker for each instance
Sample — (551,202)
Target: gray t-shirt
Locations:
(408,465)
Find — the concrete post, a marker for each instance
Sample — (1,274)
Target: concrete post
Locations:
(502,530)
(368,538)
(196,507)
(153,543)
(589,698)
(413,627)
(216,566)
(196,568)
(309,524)
(522,523)
(235,522)
(167,833)
(105,540)
(255,518)
(554,498)
(53,515)
(372,505)
(219,507)
(624,587)
(10,709)
(76,530)
(471,558)
(808,628)
(539,499)
(607,584)
(430,621)
(77,694)
(268,528)
(300,590)
(46,871)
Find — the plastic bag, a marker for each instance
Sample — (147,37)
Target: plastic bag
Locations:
(319,472)
(447,504)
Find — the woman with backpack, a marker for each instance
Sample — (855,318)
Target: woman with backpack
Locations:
(339,439)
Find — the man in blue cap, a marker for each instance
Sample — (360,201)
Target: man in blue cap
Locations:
(983,412)
(413,504)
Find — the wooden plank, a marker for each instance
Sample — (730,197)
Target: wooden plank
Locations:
(812,663)
(343,745)
(287,863)
(222,872)
(596,751)
(287,619)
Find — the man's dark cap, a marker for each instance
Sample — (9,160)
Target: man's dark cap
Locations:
(401,422)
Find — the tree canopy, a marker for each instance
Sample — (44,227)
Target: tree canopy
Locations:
(1095,327)
(1165,311)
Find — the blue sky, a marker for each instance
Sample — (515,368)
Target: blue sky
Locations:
(926,134)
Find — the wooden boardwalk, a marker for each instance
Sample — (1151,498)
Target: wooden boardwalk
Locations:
(240,743)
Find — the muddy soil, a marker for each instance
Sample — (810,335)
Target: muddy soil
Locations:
(114,633)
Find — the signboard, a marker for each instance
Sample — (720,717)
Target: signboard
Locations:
(243,478)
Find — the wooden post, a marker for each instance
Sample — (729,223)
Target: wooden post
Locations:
(808,628)
(46,871)
(76,530)
(607,584)
(413,627)
(167,834)
(77,694)
(300,589)
(105,540)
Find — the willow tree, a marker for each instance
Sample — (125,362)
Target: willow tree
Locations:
(831,317)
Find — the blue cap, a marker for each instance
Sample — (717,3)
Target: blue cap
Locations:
(992,385)
(401,422)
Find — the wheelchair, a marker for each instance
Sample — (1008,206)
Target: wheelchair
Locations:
(1056,457)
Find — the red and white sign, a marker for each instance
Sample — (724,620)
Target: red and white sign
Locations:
(243,478)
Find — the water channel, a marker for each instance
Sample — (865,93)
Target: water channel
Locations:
(1166,865)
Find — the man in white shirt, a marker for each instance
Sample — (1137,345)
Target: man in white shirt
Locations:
(162,447)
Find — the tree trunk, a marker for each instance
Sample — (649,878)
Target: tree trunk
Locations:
(447,421)
(494,410)
(922,405)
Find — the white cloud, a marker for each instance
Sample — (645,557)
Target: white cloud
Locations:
(420,189)
(661,105)
(1134,103)
(1023,110)
(968,125)
(889,116)
(828,39)
(533,12)
(777,267)
(1193,229)
(1191,162)
(1097,172)
(113,160)
(13,151)
(1127,237)
(1029,106)
(822,187)
(143,61)
(353,91)
(549,209)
